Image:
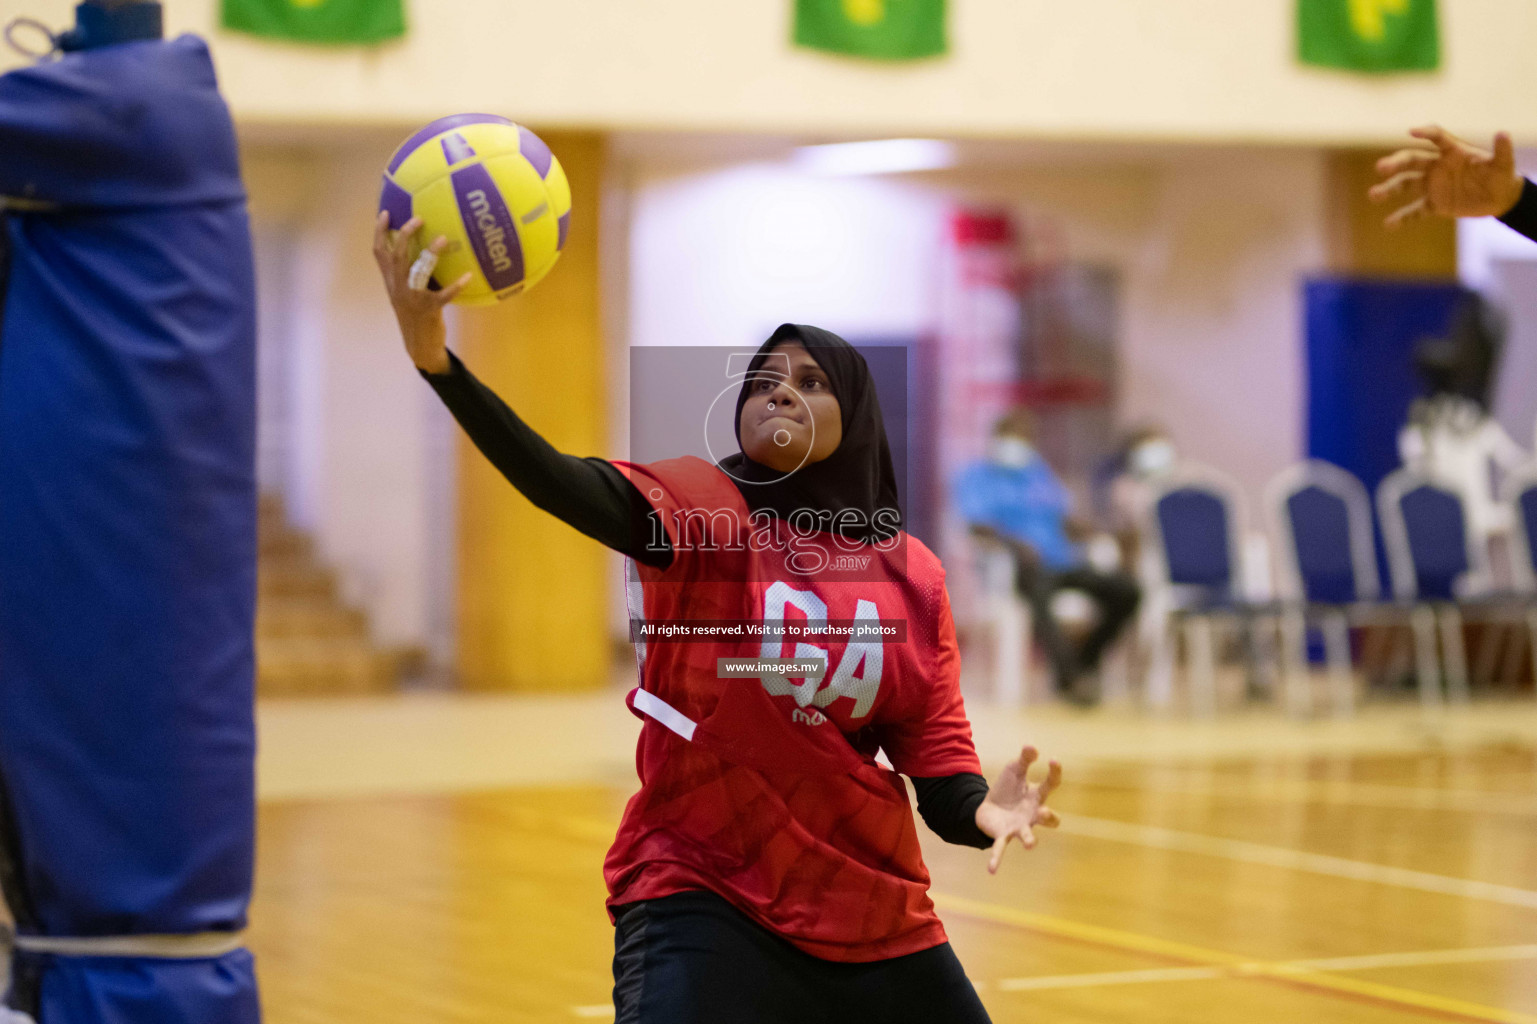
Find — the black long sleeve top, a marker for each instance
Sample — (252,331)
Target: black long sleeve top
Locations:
(593,496)
(1523,216)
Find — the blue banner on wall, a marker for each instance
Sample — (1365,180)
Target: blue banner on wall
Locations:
(1360,365)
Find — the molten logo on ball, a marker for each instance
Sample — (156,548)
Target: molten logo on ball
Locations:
(491,226)
(493,236)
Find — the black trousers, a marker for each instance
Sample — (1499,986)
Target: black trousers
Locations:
(1115,594)
(692,958)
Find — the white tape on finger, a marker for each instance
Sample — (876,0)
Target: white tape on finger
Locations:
(421,270)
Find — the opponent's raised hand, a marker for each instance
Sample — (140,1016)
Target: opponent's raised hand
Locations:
(1015,806)
(418,309)
(1443,176)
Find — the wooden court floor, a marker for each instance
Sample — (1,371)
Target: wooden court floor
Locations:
(1344,887)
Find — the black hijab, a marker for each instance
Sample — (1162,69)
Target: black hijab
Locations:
(857,476)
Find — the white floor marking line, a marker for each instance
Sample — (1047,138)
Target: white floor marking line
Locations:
(1113,978)
(1347,794)
(1342,963)
(1426,959)
(1295,860)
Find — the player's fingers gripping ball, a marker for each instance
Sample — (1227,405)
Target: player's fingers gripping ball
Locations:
(494,190)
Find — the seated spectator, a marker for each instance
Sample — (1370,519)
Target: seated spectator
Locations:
(1124,485)
(1014,499)
(1450,433)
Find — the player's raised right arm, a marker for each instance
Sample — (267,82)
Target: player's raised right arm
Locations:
(418,310)
(590,495)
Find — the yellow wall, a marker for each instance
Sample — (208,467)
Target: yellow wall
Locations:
(1358,243)
(1212,70)
(532,592)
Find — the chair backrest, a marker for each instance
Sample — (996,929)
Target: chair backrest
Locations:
(1194,529)
(994,566)
(1520,493)
(1425,529)
(1321,517)
(977,571)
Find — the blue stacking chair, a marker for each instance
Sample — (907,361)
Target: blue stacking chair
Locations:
(1192,576)
(1520,493)
(1321,519)
(1434,564)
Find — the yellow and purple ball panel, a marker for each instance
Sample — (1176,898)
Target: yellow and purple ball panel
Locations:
(494,190)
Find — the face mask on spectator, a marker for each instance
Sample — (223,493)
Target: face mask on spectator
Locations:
(1152,457)
(1011,451)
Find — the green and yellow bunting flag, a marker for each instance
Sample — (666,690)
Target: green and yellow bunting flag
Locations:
(1369,35)
(879,29)
(317,21)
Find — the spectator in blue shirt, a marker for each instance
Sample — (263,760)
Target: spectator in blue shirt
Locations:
(1013,498)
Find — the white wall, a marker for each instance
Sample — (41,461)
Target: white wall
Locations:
(1214,317)
(1503,265)
(1515,392)
(362,451)
(1213,70)
(1211,248)
(1211,245)
(724,257)
(1483,241)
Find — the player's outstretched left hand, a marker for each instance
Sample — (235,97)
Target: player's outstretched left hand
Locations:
(1440,175)
(1015,805)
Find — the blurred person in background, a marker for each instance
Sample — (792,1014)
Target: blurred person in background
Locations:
(1013,498)
(1450,433)
(1124,485)
(1456,440)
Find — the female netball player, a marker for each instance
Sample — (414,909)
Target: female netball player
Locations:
(768,870)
